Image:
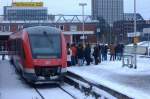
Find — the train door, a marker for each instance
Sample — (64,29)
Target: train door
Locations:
(20,53)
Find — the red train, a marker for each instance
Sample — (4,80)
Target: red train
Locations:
(40,53)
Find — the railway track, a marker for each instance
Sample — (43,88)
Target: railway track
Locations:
(86,87)
(37,89)
(89,88)
(33,86)
(67,92)
(40,92)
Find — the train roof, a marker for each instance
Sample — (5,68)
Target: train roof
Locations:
(42,29)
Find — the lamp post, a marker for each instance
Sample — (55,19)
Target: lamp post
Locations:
(83,5)
(135,43)
(98,30)
(110,33)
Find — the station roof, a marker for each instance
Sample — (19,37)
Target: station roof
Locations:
(5,33)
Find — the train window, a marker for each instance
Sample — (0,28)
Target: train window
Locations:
(13,46)
(45,45)
(18,46)
(22,52)
(21,49)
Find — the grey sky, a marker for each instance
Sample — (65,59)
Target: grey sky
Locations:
(72,7)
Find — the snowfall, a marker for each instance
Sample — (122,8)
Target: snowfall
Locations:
(134,83)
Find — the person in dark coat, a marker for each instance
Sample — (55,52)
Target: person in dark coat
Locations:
(87,54)
(80,54)
(121,50)
(105,52)
(96,55)
(100,54)
(117,48)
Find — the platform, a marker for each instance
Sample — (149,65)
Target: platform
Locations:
(134,83)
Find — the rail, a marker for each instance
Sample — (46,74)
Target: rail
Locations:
(67,92)
(96,90)
(37,90)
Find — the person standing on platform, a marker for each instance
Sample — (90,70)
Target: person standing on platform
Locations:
(96,55)
(80,54)
(112,52)
(87,54)
(103,52)
(100,52)
(69,54)
(74,54)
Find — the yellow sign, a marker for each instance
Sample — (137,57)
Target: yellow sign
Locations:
(28,4)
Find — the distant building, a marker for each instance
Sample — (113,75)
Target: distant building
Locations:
(130,16)
(70,25)
(146,36)
(122,28)
(148,22)
(25,11)
(109,10)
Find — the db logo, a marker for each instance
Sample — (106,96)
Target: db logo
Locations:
(47,63)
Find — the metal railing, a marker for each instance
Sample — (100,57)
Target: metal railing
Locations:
(60,18)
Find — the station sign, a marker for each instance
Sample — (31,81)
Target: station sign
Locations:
(137,34)
(27,4)
(146,30)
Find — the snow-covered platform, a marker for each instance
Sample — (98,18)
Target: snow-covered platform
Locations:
(134,83)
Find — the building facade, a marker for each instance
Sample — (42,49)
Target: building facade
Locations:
(122,28)
(130,16)
(72,29)
(109,10)
(25,11)
(27,14)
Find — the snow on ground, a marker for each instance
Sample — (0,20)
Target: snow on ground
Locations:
(131,82)
(55,93)
(13,87)
(143,67)
(77,93)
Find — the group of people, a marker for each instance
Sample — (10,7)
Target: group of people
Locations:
(78,54)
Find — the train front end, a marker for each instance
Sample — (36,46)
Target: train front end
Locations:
(47,63)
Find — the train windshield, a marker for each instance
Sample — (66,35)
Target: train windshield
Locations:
(45,45)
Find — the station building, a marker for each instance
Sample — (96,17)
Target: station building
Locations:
(26,14)
(72,30)
(25,11)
